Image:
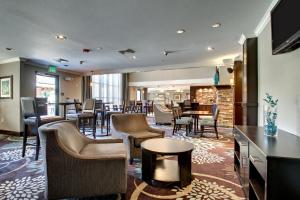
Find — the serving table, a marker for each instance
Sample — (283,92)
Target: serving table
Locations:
(163,170)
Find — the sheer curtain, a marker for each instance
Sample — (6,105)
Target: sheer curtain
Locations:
(108,88)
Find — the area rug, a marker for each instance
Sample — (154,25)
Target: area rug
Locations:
(212,170)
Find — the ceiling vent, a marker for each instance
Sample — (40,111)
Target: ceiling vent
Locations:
(61,60)
(127,51)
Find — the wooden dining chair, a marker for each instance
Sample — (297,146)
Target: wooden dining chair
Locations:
(179,122)
(210,124)
(87,116)
(35,114)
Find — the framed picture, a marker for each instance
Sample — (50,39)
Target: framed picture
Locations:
(6,87)
(177,97)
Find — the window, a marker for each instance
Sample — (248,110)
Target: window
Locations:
(138,95)
(108,88)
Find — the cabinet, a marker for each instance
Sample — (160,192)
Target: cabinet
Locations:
(245,75)
(268,167)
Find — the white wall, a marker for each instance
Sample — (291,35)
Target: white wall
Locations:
(205,73)
(10,108)
(279,75)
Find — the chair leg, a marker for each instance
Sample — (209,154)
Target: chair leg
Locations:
(107,125)
(25,140)
(123,196)
(94,127)
(37,148)
(187,130)
(202,130)
(174,128)
(131,161)
(216,130)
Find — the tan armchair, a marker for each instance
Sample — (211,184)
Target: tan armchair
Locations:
(133,129)
(162,114)
(76,166)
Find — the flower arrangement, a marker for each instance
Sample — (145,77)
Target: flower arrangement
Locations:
(270,115)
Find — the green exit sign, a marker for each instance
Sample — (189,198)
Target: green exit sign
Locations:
(52,69)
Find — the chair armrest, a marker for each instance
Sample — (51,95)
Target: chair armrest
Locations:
(155,130)
(119,134)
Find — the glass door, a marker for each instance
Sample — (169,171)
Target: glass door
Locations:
(47,87)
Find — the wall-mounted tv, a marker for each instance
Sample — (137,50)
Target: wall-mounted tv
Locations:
(285,22)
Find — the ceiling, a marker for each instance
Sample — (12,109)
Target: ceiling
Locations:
(148,27)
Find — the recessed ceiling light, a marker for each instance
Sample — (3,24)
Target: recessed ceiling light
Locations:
(134,57)
(216,25)
(99,48)
(10,49)
(210,48)
(61,37)
(180,31)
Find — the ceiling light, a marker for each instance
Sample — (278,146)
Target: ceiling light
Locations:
(180,31)
(61,37)
(134,57)
(216,25)
(99,48)
(10,49)
(210,48)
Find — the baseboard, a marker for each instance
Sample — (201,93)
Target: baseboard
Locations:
(12,133)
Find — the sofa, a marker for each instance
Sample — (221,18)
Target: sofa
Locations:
(162,114)
(133,129)
(76,166)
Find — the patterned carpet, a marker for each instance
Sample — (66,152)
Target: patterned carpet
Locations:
(212,169)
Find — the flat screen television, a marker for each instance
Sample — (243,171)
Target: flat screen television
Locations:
(285,22)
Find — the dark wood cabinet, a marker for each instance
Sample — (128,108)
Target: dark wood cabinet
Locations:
(268,167)
(246,86)
(250,85)
(238,92)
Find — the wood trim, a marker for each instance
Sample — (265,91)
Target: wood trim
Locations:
(12,133)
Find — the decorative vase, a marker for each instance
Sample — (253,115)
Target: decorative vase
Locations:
(217,77)
(270,120)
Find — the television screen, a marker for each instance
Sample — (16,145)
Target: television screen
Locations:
(285,22)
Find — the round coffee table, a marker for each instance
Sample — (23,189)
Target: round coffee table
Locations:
(163,170)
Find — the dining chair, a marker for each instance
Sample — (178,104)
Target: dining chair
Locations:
(210,123)
(35,114)
(180,121)
(115,108)
(99,114)
(87,116)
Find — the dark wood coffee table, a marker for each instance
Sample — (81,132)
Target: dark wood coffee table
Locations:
(164,170)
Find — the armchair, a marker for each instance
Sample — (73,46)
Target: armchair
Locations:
(162,114)
(133,129)
(76,166)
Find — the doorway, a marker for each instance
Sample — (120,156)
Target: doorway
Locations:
(47,87)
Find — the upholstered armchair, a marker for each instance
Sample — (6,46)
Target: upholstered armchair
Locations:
(76,166)
(162,114)
(133,129)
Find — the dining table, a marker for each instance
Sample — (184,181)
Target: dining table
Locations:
(195,114)
(65,104)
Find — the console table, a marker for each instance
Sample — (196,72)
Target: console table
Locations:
(268,167)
